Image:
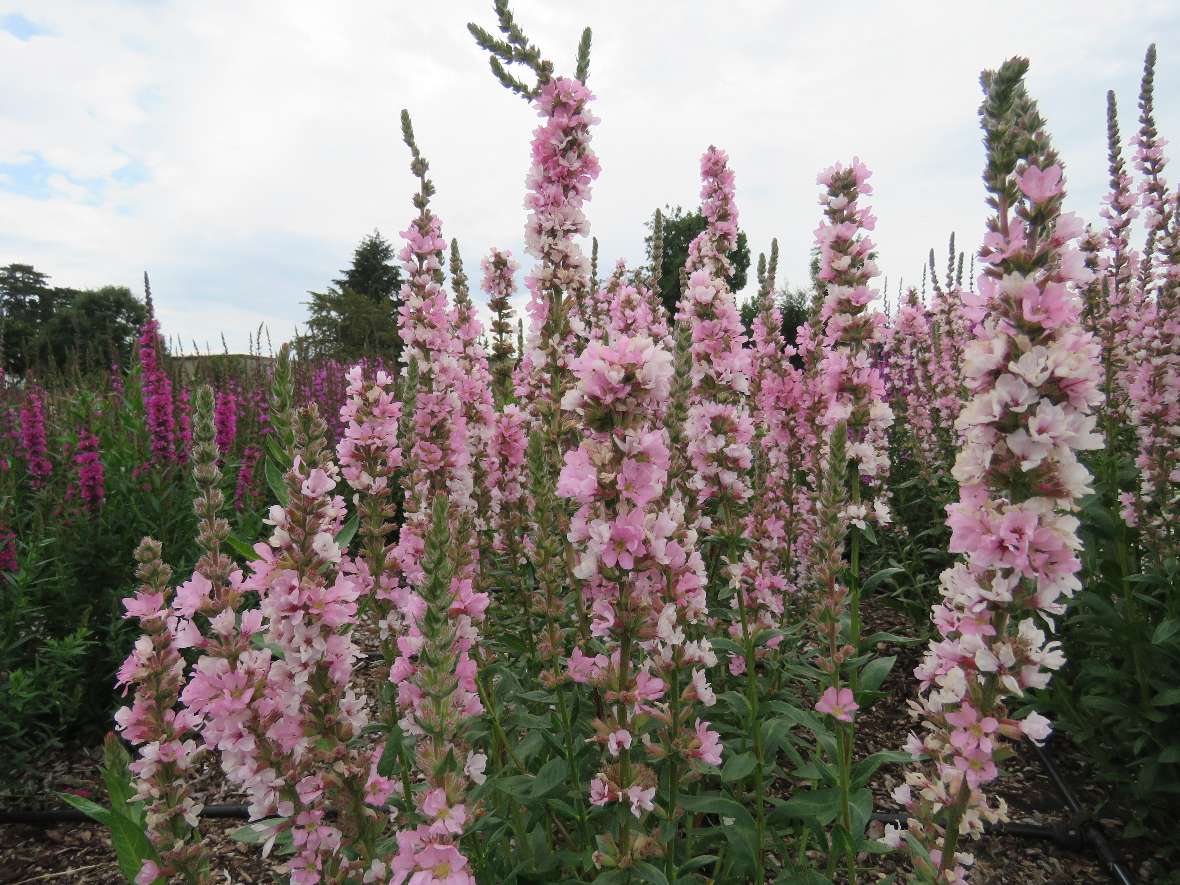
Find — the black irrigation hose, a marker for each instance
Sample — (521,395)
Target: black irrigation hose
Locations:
(72,816)
(1085,824)
(1063,834)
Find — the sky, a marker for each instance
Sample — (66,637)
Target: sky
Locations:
(238,151)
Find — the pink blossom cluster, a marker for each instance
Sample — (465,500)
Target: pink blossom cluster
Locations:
(773,523)
(642,579)
(472,381)
(506,479)
(634,311)
(949,334)
(156,389)
(162,734)
(849,376)
(595,316)
(437,456)
(91,475)
(499,282)
(911,365)
(33,440)
(244,488)
(284,722)
(225,418)
(564,167)
(370,455)
(438,609)
(1151,377)
(1033,377)
(710,251)
(435,675)
(1119,304)
(8,560)
(718,426)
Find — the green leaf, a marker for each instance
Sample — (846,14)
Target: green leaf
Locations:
(776,735)
(820,806)
(861,807)
(701,860)
(275,451)
(874,673)
(132,846)
(519,786)
(738,766)
(91,809)
(888,637)
(347,532)
(1170,755)
(872,581)
(552,774)
(241,548)
(540,697)
(801,877)
(649,872)
(742,835)
(1165,631)
(865,768)
(720,643)
(738,703)
(1167,698)
(805,718)
(116,774)
(387,764)
(278,485)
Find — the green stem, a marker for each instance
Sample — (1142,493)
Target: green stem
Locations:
(570,755)
(844,749)
(854,626)
(624,752)
(951,835)
(501,739)
(673,771)
(755,724)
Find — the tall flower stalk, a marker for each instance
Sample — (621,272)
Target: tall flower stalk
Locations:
(436,682)
(1153,375)
(1034,379)
(645,584)
(156,387)
(499,282)
(34,443)
(91,474)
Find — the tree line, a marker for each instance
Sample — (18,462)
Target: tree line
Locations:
(44,327)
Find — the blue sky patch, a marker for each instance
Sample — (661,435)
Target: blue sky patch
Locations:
(28,179)
(20,27)
(32,178)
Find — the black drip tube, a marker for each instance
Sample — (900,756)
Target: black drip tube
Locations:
(1084,822)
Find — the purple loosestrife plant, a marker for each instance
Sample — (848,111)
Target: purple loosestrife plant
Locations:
(1034,379)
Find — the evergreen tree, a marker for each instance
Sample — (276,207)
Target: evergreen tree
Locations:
(680,228)
(357,315)
(374,272)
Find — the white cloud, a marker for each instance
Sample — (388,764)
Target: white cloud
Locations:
(270,140)
(66,188)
